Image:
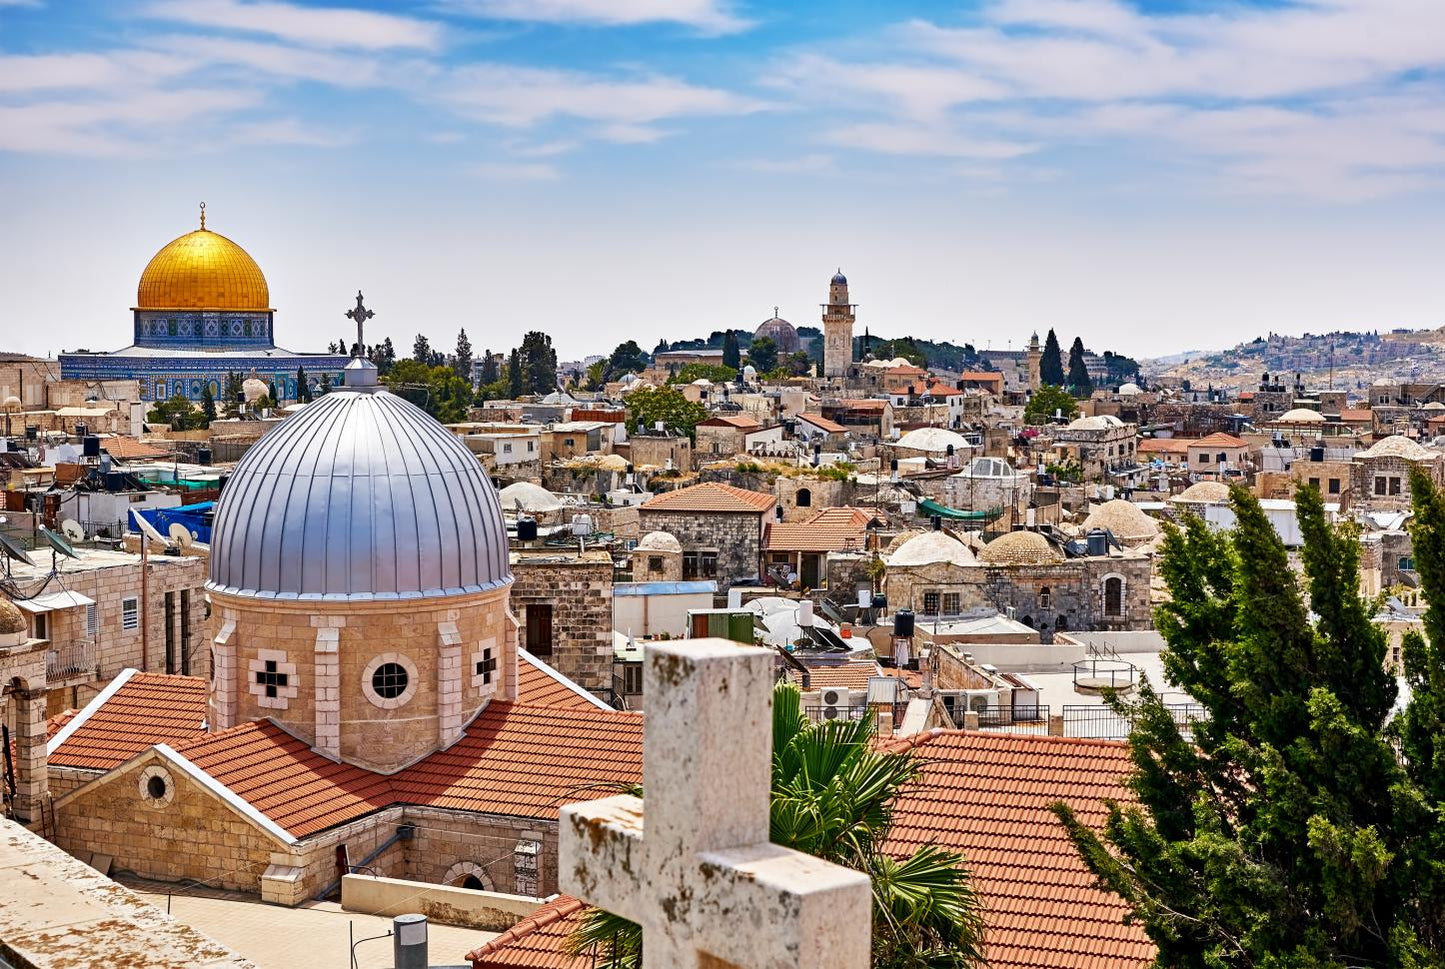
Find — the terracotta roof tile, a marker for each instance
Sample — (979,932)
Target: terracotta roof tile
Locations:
(830,530)
(129,448)
(823,424)
(1220,439)
(1164,445)
(741,422)
(536,686)
(514,759)
(988,796)
(845,676)
(148,709)
(711,496)
(536,941)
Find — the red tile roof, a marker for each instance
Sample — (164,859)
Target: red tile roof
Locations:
(844,676)
(536,941)
(129,448)
(515,759)
(147,709)
(1220,439)
(1352,414)
(830,530)
(741,422)
(823,424)
(988,796)
(711,496)
(539,684)
(1164,445)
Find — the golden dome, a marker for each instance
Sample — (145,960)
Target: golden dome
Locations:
(202,270)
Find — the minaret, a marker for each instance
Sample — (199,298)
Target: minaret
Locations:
(838,317)
(1035,356)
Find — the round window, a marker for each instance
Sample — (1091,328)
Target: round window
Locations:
(156,787)
(389,681)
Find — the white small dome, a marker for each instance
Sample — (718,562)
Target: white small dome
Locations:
(529,497)
(659,542)
(1125,519)
(1130,390)
(1204,493)
(1397,446)
(253,389)
(1020,548)
(1301,415)
(1383,382)
(1100,422)
(930,548)
(1434,405)
(935,440)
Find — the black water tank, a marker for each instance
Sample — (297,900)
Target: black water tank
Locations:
(526,529)
(90,446)
(1317,453)
(81,430)
(115,480)
(903,623)
(31,432)
(937,523)
(1098,542)
(880,601)
(203,455)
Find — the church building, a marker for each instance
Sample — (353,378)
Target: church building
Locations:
(202,311)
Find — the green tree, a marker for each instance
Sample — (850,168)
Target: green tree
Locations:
(1079,381)
(491,371)
(462,359)
(303,386)
(648,405)
(421,349)
(1045,401)
(797,364)
(178,412)
(832,793)
(383,355)
(763,354)
(627,358)
(717,373)
(516,380)
(1284,832)
(436,390)
(208,405)
(1051,364)
(539,363)
(232,394)
(732,356)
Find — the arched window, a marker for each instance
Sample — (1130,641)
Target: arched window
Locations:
(804,498)
(1113,596)
(1045,597)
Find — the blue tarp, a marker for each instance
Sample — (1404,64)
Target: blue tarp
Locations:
(196,519)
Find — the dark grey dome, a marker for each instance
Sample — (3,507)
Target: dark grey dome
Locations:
(839,279)
(360,496)
(781,332)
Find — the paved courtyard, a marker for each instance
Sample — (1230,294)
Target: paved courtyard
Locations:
(311,937)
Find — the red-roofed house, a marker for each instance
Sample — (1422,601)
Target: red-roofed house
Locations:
(802,548)
(1217,454)
(719,526)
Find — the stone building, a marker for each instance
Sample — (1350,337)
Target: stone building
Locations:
(22,712)
(657,558)
(1380,475)
(1021,574)
(720,528)
(366,707)
(1100,445)
(656,449)
(722,436)
(839,316)
(798,552)
(98,616)
(563,600)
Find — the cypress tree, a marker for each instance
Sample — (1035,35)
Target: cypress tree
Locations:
(515,386)
(1079,381)
(1051,364)
(732,356)
(1285,832)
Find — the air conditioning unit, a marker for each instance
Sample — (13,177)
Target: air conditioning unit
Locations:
(835,697)
(834,713)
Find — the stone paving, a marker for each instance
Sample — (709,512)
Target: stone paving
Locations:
(313,935)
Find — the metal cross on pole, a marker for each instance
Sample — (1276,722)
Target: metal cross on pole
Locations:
(360,314)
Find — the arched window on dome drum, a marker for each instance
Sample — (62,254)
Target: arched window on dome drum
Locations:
(389,681)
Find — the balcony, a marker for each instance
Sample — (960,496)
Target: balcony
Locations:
(70,662)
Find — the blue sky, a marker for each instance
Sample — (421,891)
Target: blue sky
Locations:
(1154,177)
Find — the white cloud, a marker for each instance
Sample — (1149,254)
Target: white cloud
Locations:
(130,124)
(708,16)
(272,60)
(323,27)
(803,164)
(516,171)
(520,96)
(288,131)
(1303,99)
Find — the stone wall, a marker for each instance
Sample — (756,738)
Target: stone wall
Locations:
(446,842)
(578,587)
(1366,470)
(329,654)
(736,537)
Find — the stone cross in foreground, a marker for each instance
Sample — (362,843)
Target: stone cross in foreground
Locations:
(701,878)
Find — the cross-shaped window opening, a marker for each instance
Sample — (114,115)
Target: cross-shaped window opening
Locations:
(486,666)
(270,678)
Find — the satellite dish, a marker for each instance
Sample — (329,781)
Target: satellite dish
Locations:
(12,551)
(73,530)
(180,535)
(147,529)
(57,543)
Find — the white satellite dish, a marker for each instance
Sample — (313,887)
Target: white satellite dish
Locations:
(73,530)
(180,535)
(147,529)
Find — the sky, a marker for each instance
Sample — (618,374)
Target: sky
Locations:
(1152,176)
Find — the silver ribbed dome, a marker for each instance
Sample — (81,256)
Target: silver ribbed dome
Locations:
(360,496)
